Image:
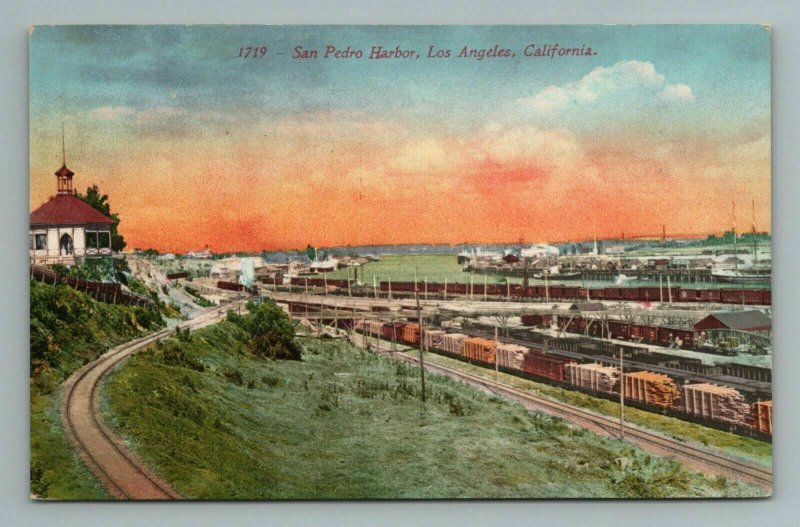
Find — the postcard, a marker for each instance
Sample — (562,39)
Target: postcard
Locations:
(400,262)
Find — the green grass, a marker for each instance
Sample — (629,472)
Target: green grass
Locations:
(745,448)
(69,329)
(400,268)
(56,471)
(218,423)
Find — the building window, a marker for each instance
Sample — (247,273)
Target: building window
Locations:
(105,240)
(91,240)
(41,242)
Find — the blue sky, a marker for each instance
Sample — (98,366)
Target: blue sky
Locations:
(674,105)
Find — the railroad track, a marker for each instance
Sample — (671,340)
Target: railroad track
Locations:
(104,452)
(702,459)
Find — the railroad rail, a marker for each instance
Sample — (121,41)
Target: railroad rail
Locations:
(104,452)
(700,458)
(742,385)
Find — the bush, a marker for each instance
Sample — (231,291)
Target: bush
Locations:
(270,330)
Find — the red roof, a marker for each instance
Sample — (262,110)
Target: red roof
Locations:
(67,209)
(64,172)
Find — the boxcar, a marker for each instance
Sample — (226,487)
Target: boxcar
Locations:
(545,366)
(619,329)
(597,294)
(613,293)
(630,293)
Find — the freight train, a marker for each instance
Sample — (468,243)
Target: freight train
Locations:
(617,329)
(719,406)
(562,292)
(235,286)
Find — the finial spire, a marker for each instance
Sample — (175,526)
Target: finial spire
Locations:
(63,148)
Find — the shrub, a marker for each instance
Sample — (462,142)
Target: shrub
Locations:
(270,330)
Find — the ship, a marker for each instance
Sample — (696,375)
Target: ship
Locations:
(751,273)
(745,275)
(324,266)
(555,274)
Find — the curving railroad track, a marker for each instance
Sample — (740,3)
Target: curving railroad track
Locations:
(104,452)
(699,458)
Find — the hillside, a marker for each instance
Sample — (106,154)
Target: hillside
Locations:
(218,422)
(69,329)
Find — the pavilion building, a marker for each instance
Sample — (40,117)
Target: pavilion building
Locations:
(65,228)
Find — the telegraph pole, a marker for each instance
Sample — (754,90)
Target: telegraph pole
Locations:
(496,361)
(621,396)
(421,340)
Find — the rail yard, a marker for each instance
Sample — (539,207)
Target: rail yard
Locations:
(701,355)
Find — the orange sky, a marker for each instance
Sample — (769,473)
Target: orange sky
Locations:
(237,192)
(664,125)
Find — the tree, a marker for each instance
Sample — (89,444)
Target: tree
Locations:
(271,331)
(100,203)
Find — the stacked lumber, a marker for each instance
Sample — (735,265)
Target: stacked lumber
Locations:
(651,388)
(720,403)
(592,376)
(453,343)
(511,355)
(369,327)
(411,333)
(433,339)
(761,414)
(480,349)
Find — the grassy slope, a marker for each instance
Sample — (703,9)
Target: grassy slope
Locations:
(56,471)
(344,423)
(68,329)
(732,444)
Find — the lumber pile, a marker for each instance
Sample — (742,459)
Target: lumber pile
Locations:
(369,327)
(433,339)
(720,403)
(480,349)
(761,414)
(651,388)
(411,333)
(592,376)
(453,343)
(511,355)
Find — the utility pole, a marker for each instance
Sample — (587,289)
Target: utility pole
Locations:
(621,396)
(496,361)
(421,340)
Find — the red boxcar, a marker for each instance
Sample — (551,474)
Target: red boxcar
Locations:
(545,366)
(570,292)
(230,286)
(613,293)
(630,293)
(597,294)
(619,329)
(532,320)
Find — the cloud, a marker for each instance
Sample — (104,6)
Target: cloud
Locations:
(624,83)
(111,113)
(677,92)
(160,113)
